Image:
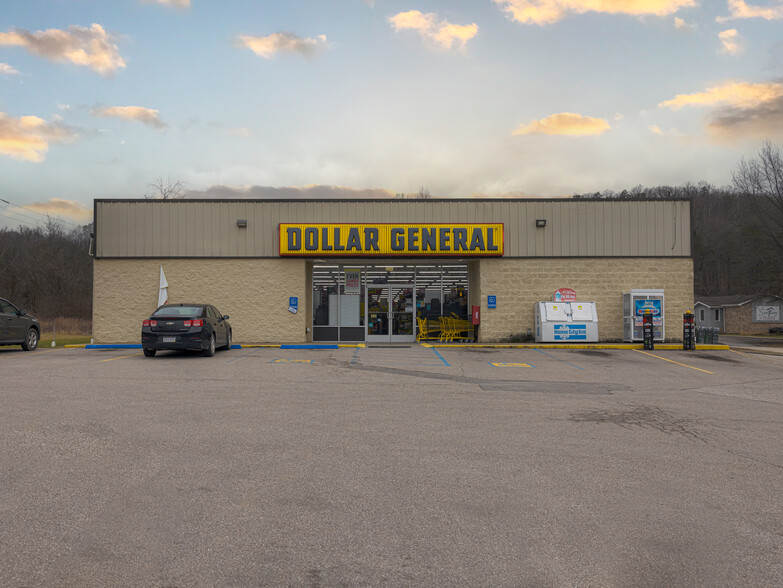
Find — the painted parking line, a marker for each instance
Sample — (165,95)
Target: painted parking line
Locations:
(122,357)
(292,361)
(512,365)
(560,360)
(402,357)
(672,361)
(440,356)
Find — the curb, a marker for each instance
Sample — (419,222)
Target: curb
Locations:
(121,346)
(658,346)
(301,345)
(661,347)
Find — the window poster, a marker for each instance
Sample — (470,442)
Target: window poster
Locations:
(353,281)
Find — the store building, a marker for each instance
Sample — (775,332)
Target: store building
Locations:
(373,270)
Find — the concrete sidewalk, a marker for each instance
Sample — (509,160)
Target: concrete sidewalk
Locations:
(747,344)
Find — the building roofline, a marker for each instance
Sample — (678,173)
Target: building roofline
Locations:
(388,200)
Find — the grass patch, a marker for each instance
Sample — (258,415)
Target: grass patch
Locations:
(63,340)
(68,326)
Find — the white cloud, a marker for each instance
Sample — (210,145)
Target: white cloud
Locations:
(656,130)
(268,47)
(543,12)
(681,24)
(564,123)
(59,207)
(90,47)
(442,33)
(730,42)
(741,9)
(739,110)
(8,70)
(140,114)
(238,132)
(28,137)
(175,3)
(313,191)
(735,94)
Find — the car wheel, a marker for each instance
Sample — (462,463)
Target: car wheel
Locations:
(149,352)
(228,342)
(210,351)
(31,340)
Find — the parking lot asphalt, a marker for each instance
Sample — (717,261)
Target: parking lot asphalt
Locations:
(388,466)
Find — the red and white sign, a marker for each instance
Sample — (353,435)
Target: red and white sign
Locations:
(564,295)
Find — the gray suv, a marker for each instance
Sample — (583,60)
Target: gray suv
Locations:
(17,327)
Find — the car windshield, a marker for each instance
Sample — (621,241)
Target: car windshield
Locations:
(175,311)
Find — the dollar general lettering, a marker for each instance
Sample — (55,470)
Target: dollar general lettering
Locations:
(391,239)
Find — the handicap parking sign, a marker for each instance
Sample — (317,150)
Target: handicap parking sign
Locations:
(492,301)
(293,304)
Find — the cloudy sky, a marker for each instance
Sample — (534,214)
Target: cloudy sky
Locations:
(331,97)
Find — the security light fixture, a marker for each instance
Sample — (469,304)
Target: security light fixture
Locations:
(540,223)
(242,223)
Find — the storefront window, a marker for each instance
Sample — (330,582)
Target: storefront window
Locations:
(325,288)
(455,302)
(455,291)
(352,298)
(352,301)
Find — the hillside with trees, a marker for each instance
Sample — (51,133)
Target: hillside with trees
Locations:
(47,270)
(737,230)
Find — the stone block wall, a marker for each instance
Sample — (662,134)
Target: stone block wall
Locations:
(739,321)
(253,292)
(519,283)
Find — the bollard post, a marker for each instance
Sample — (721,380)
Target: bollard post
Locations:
(688,335)
(647,330)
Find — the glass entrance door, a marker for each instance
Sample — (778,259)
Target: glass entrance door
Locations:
(390,313)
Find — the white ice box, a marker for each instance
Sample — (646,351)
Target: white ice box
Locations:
(563,322)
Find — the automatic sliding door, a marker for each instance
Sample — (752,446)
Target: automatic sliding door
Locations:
(402,307)
(390,314)
(378,313)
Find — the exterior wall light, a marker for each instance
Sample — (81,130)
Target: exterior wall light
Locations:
(540,223)
(242,223)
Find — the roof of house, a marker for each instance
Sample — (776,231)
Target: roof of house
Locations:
(732,300)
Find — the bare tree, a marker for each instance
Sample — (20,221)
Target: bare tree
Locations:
(422,194)
(161,189)
(761,180)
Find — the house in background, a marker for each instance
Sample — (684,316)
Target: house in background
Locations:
(739,314)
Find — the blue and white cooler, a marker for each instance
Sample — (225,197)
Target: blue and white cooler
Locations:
(566,322)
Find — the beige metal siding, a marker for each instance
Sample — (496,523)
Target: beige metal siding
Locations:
(189,228)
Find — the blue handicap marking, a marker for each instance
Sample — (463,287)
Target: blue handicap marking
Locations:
(570,332)
(293,304)
(492,301)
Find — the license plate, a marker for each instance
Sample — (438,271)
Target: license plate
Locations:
(169,339)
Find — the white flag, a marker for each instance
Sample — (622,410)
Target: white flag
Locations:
(163,293)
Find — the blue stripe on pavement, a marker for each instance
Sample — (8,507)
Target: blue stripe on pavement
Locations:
(309,347)
(441,357)
(117,346)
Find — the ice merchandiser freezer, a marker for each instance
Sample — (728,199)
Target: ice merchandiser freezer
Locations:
(558,322)
(635,303)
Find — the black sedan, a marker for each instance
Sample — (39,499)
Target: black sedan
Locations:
(17,327)
(186,326)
